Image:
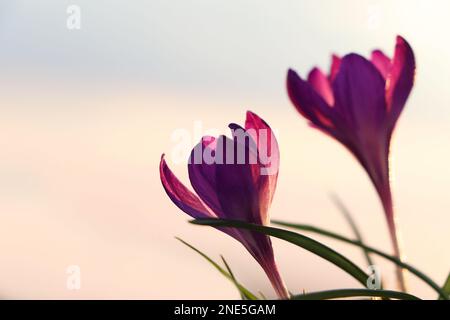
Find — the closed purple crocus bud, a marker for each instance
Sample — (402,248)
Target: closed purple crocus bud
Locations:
(234,179)
(358,104)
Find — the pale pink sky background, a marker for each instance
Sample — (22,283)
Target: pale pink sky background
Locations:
(85,117)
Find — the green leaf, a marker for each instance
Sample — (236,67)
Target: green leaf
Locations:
(242,290)
(336,236)
(243,295)
(446,287)
(349,293)
(348,217)
(297,239)
(262,295)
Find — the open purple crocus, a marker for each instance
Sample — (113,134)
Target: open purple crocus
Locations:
(234,179)
(358,104)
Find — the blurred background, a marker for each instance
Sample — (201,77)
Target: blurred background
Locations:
(85,115)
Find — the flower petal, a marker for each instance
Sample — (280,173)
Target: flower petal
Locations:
(381,62)
(335,65)
(307,101)
(202,174)
(266,175)
(249,139)
(400,80)
(320,83)
(359,94)
(267,144)
(180,195)
(236,190)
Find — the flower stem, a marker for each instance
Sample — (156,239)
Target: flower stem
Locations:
(380,175)
(277,282)
(386,198)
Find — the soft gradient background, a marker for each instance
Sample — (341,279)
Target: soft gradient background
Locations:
(86,114)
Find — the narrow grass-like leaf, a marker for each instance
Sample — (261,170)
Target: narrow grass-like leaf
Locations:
(446,287)
(262,295)
(336,236)
(348,217)
(242,290)
(351,293)
(302,241)
(243,295)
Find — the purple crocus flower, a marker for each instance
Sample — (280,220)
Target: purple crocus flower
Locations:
(234,179)
(359,104)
